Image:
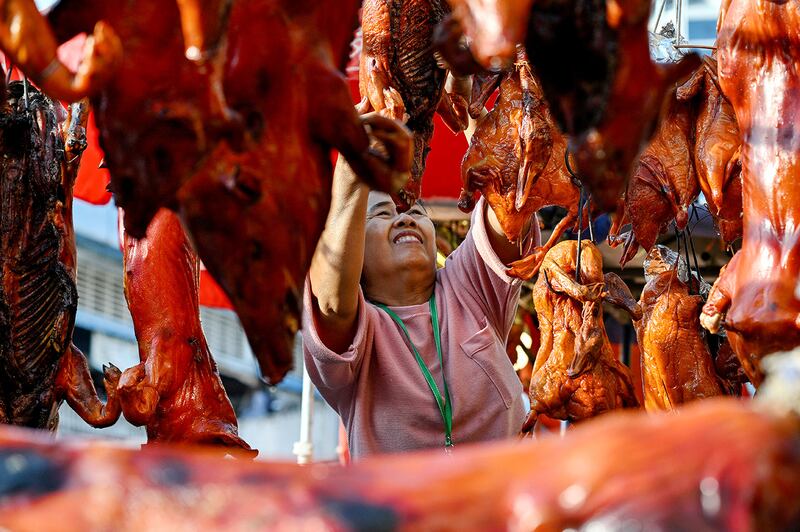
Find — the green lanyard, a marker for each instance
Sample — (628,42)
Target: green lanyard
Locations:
(444,405)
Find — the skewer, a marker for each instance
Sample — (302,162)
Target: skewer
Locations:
(658,18)
(700,46)
(678,6)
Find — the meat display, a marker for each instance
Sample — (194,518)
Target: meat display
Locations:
(40,367)
(254,201)
(609,99)
(576,374)
(717,149)
(175,391)
(654,472)
(400,78)
(756,293)
(676,361)
(516,160)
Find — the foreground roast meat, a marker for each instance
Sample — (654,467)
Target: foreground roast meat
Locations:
(758,54)
(576,374)
(253,198)
(175,391)
(516,160)
(39,365)
(720,465)
(400,78)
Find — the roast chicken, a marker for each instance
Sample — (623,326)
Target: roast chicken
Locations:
(40,367)
(722,464)
(758,53)
(400,78)
(576,374)
(253,202)
(717,149)
(175,391)
(516,160)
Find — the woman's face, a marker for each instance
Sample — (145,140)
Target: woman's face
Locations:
(397,241)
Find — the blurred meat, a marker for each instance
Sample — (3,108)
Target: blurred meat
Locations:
(676,362)
(400,78)
(593,60)
(758,54)
(717,149)
(576,374)
(720,465)
(516,160)
(39,365)
(176,390)
(253,198)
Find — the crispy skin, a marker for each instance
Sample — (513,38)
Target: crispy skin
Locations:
(39,366)
(253,193)
(576,375)
(623,467)
(175,391)
(676,362)
(516,160)
(758,53)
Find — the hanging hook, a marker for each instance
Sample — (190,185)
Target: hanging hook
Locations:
(580,232)
(25,91)
(589,216)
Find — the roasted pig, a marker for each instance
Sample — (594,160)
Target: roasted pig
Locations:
(576,374)
(254,203)
(400,78)
(758,54)
(175,391)
(40,367)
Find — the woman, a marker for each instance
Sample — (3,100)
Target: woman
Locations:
(376,308)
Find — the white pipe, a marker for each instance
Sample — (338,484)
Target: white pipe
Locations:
(304,448)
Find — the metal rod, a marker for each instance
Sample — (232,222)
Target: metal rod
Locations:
(688,264)
(678,5)
(658,18)
(304,448)
(694,254)
(580,230)
(701,46)
(589,215)
(25,91)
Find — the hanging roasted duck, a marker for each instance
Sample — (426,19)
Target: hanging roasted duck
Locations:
(400,77)
(40,367)
(604,90)
(576,374)
(254,208)
(677,366)
(175,391)
(757,291)
(664,184)
(516,160)
(717,149)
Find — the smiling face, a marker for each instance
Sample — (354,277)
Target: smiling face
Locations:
(396,243)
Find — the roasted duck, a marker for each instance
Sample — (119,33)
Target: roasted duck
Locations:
(722,464)
(253,208)
(676,362)
(400,78)
(576,374)
(39,365)
(175,391)
(758,54)
(717,149)
(516,160)
(593,60)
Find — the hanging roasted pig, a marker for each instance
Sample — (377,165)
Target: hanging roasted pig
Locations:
(400,77)
(758,54)
(253,203)
(677,366)
(516,160)
(604,90)
(40,367)
(175,391)
(576,374)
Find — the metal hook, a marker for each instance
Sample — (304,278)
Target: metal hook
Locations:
(589,215)
(580,232)
(25,91)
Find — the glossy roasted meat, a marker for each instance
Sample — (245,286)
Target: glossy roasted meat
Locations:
(175,391)
(717,149)
(400,78)
(576,374)
(605,92)
(676,362)
(516,160)
(720,465)
(758,57)
(39,365)
(254,202)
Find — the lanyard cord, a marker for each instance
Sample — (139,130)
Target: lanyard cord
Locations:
(445,407)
